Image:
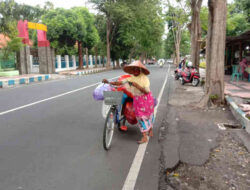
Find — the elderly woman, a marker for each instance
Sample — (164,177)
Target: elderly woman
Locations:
(143,101)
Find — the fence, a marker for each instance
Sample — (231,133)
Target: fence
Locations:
(9,63)
(64,63)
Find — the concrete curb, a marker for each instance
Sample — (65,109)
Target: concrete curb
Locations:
(239,114)
(8,83)
(79,73)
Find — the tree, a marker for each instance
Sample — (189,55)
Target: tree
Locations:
(8,26)
(91,37)
(65,27)
(150,28)
(204,21)
(169,47)
(195,30)
(237,21)
(100,24)
(215,52)
(104,7)
(177,18)
(48,6)
(132,27)
(245,6)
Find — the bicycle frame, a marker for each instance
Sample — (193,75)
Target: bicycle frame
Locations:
(117,110)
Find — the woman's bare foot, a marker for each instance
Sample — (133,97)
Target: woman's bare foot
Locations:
(150,132)
(144,139)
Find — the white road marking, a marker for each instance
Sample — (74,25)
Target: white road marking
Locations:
(51,98)
(134,170)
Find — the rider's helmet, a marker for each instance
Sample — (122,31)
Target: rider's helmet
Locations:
(189,64)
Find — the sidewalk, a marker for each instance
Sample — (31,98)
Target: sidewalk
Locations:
(84,71)
(197,153)
(238,97)
(13,81)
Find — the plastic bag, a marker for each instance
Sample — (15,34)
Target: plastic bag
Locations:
(98,92)
(105,110)
(130,113)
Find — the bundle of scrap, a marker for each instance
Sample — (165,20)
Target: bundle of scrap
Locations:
(245,108)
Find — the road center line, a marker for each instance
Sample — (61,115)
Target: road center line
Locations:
(51,98)
(136,165)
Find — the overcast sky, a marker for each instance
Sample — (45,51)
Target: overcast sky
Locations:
(57,3)
(69,3)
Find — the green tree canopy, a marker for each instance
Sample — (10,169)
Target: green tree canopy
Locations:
(184,46)
(137,26)
(65,27)
(91,37)
(237,21)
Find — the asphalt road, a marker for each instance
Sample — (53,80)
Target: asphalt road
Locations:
(56,143)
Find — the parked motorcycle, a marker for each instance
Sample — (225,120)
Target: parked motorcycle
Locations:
(190,75)
(177,73)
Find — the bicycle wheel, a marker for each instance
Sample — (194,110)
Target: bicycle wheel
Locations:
(109,128)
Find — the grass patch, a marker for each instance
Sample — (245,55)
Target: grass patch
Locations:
(203,65)
(213,97)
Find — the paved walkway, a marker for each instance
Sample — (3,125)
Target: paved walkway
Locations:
(83,71)
(12,81)
(239,89)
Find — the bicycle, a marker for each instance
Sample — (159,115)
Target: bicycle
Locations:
(114,117)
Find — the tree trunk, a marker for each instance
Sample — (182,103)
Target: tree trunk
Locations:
(108,42)
(103,61)
(87,57)
(142,57)
(195,32)
(215,51)
(177,45)
(80,55)
(117,64)
(96,56)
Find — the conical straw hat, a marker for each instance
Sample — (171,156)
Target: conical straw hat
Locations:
(130,68)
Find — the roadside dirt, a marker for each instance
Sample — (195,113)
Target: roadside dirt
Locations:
(228,168)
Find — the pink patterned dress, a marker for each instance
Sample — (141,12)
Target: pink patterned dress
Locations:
(143,103)
(144,111)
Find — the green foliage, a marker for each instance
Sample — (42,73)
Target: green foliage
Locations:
(136,26)
(244,6)
(236,24)
(185,43)
(176,17)
(100,24)
(91,37)
(203,65)
(14,44)
(170,45)
(65,27)
(214,96)
(10,13)
(237,19)
(204,21)
(10,10)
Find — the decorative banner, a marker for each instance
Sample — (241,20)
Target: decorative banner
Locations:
(23,31)
(37,26)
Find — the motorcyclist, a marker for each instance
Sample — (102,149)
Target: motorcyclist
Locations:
(183,63)
(161,62)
